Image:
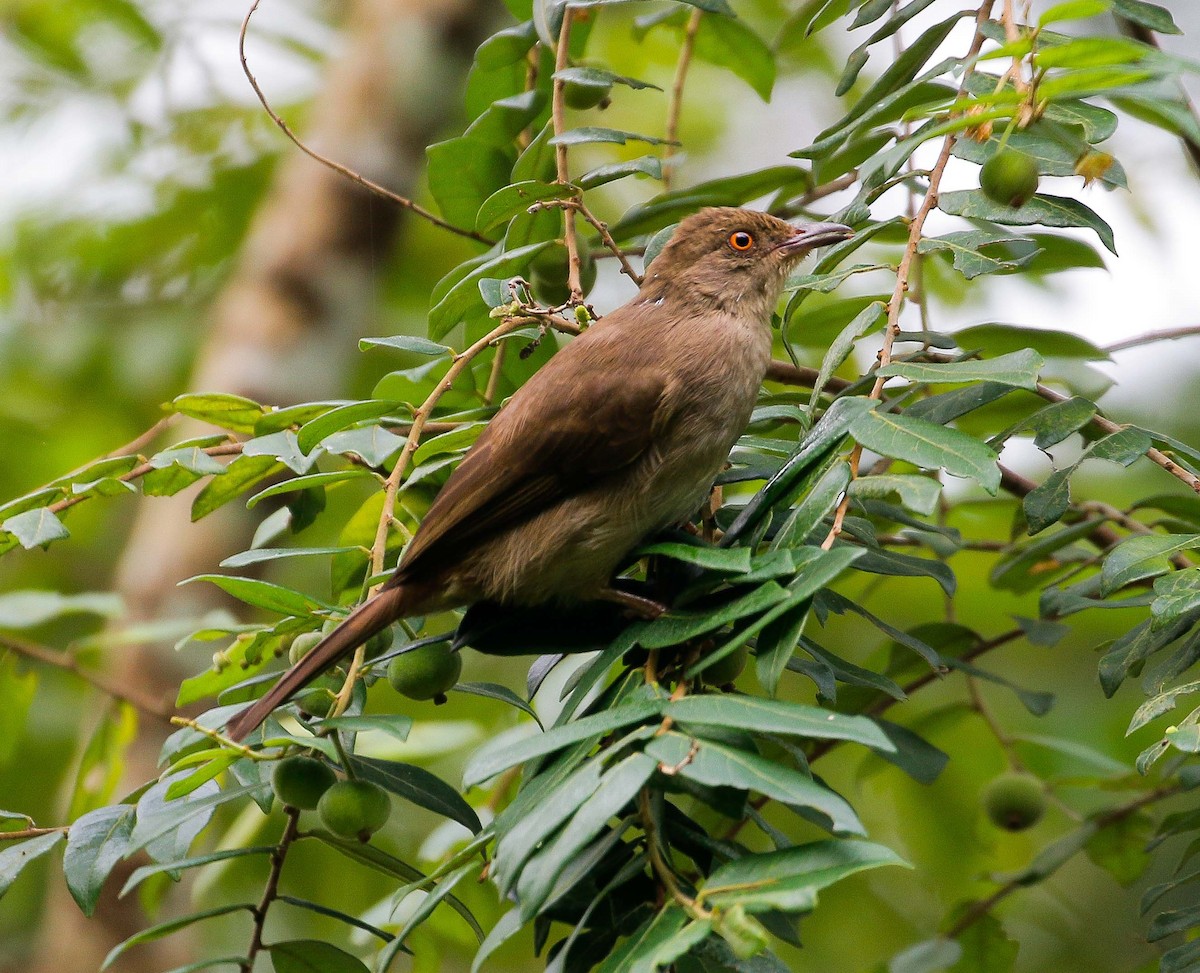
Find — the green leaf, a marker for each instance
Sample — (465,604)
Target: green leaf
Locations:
(617,788)
(373,444)
(776,716)
(1046,503)
(730,44)
(790,879)
(1007,338)
(839,350)
(588,135)
(820,441)
(233,412)
(181,864)
(1020,369)
(640,951)
(926,444)
(507,202)
(264,594)
(35,528)
(463,293)
(174,925)
(312,956)
(1120,849)
(986,948)
(677,626)
(646,165)
(819,502)
(239,476)
(419,786)
(1142,556)
(463,172)
(15,855)
(493,758)
(395,725)
(1177,593)
(321,427)
(948,406)
(405,342)
(28,609)
(733,560)
(264,554)
(1055,422)
(1057,211)
(966,251)
(919,493)
(1149,15)
(1074,10)
(717,765)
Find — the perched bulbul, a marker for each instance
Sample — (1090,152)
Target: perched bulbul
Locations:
(620,434)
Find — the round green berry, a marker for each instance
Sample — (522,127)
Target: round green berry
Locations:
(300,781)
(303,644)
(1009,177)
(1014,801)
(726,669)
(425,673)
(354,808)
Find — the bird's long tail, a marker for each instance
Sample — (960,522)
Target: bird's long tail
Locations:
(370,617)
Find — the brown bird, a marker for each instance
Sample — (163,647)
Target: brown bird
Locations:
(620,434)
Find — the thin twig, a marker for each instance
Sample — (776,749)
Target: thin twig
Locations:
(271,889)
(31,832)
(337,167)
(68,663)
(903,271)
(1165,334)
(675,105)
(558,116)
(786,373)
(607,239)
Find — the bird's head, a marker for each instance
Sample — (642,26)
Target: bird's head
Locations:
(737,258)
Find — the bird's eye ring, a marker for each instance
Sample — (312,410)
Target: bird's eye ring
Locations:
(741,241)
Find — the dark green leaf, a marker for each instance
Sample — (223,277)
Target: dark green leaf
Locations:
(676,627)
(1020,368)
(646,165)
(463,172)
(507,202)
(1008,338)
(1177,593)
(1046,503)
(730,44)
(312,956)
(1149,15)
(419,786)
(492,690)
(1143,556)
(966,250)
(240,475)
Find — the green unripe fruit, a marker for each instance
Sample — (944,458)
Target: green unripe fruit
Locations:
(586,94)
(1009,177)
(425,673)
(300,781)
(303,644)
(378,643)
(354,808)
(1014,801)
(316,702)
(726,670)
(548,275)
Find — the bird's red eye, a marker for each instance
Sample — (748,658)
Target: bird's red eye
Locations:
(741,241)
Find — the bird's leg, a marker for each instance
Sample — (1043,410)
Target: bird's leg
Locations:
(646,608)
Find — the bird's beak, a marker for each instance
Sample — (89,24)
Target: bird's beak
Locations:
(806,236)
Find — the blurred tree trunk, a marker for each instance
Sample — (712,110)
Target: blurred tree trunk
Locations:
(281,332)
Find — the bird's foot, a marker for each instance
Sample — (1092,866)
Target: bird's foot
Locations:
(646,608)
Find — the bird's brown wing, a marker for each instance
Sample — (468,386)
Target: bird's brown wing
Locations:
(564,433)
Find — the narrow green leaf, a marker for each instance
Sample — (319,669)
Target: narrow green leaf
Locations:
(1049,501)
(839,350)
(676,627)
(776,716)
(491,759)
(312,956)
(919,493)
(1020,369)
(1176,593)
(717,765)
(419,786)
(505,203)
(174,925)
(590,134)
(405,342)
(264,594)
